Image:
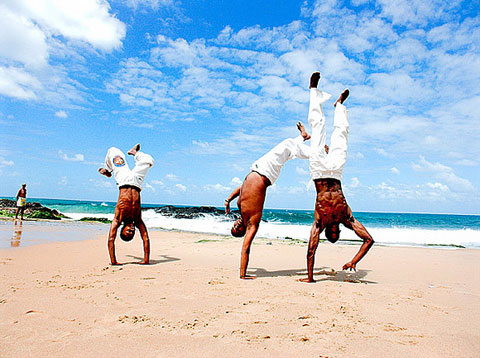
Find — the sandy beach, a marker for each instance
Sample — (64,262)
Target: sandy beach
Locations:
(64,299)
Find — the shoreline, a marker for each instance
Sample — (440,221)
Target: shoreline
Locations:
(288,240)
(63,298)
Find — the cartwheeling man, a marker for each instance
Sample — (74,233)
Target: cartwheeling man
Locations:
(326,167)
(128,210)
(251,194)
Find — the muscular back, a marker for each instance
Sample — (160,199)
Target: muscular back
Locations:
(128,205)
(331,206)
(252,197)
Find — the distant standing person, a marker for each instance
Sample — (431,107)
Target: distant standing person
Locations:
(21,201)
(128,209)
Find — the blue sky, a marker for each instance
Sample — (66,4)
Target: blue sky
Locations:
(207,87)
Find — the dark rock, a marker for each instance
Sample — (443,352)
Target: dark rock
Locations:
(101,220)
(33,210)
(191,212)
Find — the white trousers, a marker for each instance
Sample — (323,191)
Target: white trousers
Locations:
(115,162)
(323,165)
(272,163)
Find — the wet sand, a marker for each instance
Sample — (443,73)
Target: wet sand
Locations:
(63,299)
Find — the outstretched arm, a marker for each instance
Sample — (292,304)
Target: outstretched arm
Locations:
(111,240)
(231,197)
(146,241)
(367,243)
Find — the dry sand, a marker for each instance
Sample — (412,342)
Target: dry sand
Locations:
(63,299)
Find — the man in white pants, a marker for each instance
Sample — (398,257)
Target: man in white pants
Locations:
(251,195)
(128,209)
(326,167)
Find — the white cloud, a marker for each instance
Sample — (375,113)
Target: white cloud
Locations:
(172,177)
(21,40)
(238,168)
(17,83)
(439,186)
(355,182)
(395,170)
(61,114)
(6,163)
(444,173)
(75,158)
(301,171)
(467,163)
(101,183)
(357,156)
(236,181)
(149,187)
(217,188)
(86,20)
(382,152)
(34,32)
(406,12)
(153,4)
(157,182)
(181,187)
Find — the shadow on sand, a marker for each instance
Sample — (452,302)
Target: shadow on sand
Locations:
(165,259)
(330,274)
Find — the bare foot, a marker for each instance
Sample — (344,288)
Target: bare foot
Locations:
(343,97)
(105,172)
(134,150)
(303,132)
(314,78)
(248,277)
(307,280)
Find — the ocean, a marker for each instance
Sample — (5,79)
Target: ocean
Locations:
(443,230)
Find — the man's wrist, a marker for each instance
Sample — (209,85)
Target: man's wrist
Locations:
(227,201)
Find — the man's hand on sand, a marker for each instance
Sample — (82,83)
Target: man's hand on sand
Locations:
(350,266)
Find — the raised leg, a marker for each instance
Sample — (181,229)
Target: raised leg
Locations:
(316,120)
(143,162)
(337,156)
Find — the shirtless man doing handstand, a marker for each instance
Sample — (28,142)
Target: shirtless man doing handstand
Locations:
(128,209)
(326,167)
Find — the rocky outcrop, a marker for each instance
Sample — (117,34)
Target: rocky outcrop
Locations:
(33,210)
(191,212)
(94,219)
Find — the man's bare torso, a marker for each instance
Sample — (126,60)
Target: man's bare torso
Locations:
(331,206)
(252,195)
(22,193)
(128,205)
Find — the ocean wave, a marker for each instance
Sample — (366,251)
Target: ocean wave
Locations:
(277,230)
(274,229)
